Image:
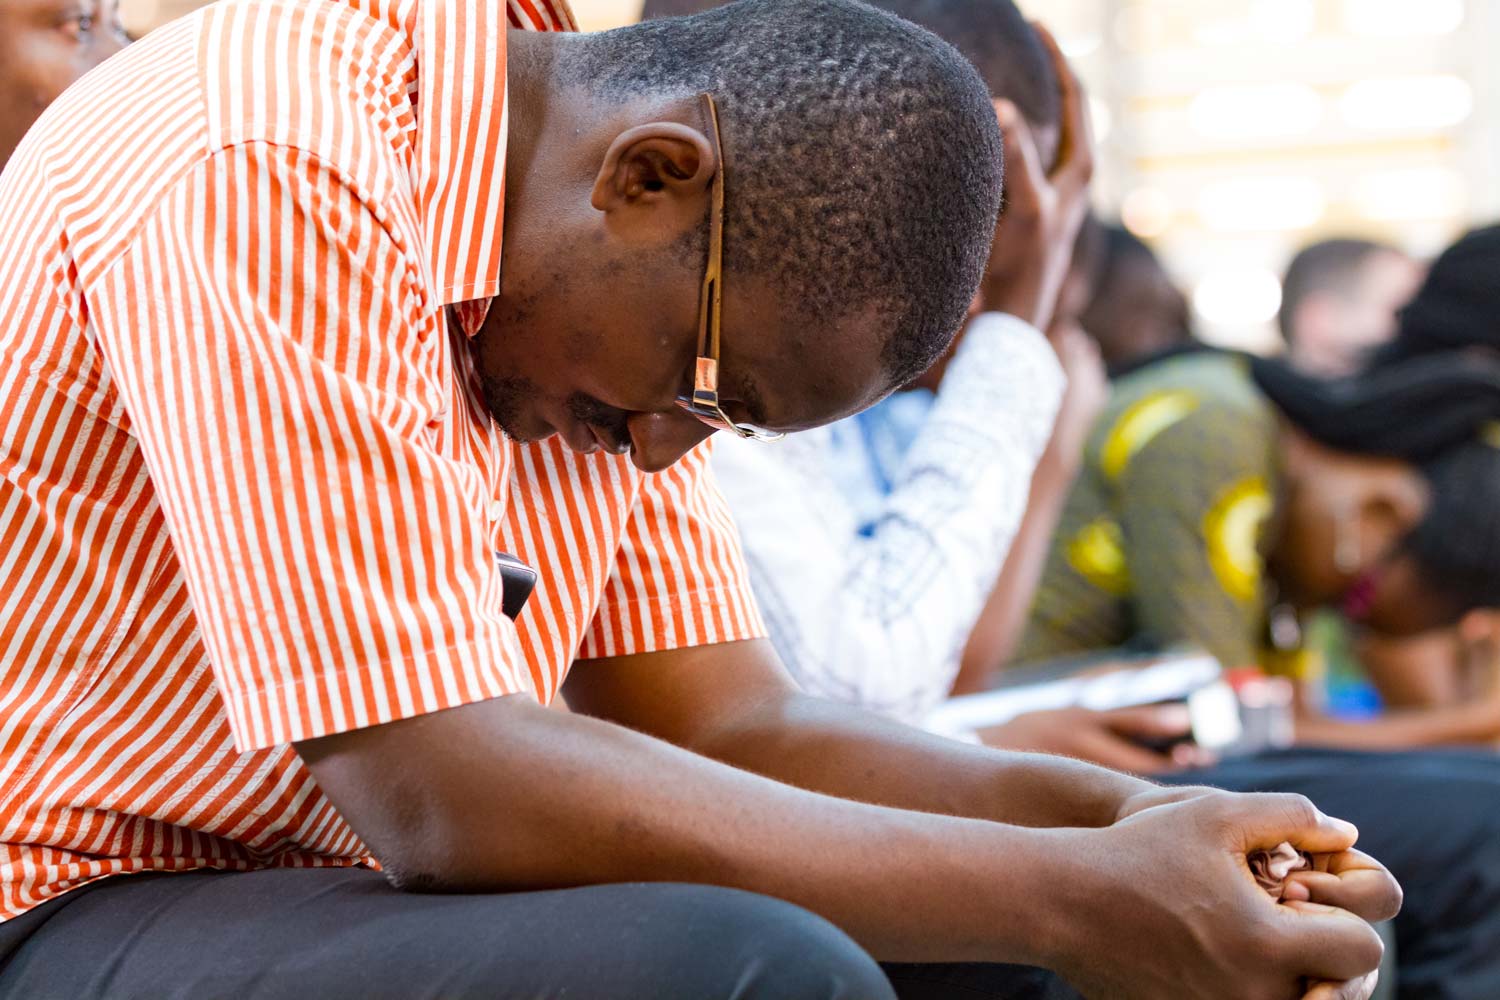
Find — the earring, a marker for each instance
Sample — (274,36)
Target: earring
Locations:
(1346,545)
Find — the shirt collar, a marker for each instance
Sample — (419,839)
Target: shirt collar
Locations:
(461,134)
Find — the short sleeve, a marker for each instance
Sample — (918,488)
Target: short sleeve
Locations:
(1193,504)
(679,577)
(289,384)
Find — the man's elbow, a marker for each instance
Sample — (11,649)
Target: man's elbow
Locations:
(425,853)
(407,879)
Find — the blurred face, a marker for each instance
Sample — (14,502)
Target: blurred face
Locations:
(1344,519)
(1398,600)
(44,46)
(1137,312)
(1336,329)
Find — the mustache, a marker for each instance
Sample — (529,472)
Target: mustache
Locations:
(610,421)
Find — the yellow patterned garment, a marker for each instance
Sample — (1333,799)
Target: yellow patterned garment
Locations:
(1162,539)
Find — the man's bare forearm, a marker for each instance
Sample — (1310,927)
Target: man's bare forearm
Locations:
(826,747)
(732,702)
(506,795)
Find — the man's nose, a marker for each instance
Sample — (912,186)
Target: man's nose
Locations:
(659,439)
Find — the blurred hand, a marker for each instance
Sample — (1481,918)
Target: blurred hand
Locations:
(1043,210)
(1479,655)
(1085,396)
(1040,217)
(1171,908)
(1113,738)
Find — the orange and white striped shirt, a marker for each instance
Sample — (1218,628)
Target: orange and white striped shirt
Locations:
(246,497)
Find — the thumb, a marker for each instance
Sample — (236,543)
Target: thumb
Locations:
(1349,989)
(1263,820)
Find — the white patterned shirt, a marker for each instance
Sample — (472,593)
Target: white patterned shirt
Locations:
(874,542)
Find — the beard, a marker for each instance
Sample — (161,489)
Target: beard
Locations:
(504,397)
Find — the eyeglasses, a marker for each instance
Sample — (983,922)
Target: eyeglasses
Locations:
(703,402)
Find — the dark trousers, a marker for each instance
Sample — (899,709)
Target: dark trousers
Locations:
(1433,818)
(335,933)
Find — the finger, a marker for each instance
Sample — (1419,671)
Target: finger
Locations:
(1348,861)
(1264,820)
(1154,722)
(1355,882)
(1372,895)
(1075,145)
(1024,176)
(1104,747)
(1322,942)
(1349,989)
(1188,755)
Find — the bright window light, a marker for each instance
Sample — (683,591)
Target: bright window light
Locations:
(1407,102)
(1409,193)
(1147,212)
(1259,21)
(1282,20)
(1237,297)
(1079,46)
(1403,18)
(1256,111)
(1261,204)
(1100,118)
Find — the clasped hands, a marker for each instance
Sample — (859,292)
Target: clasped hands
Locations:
(1234,939)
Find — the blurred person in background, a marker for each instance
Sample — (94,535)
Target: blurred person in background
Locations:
(871,603)
(1221,494)
(1133,308)
(872,542)
(44,46)
(1118,298)
(1455,306)
(1339,300)
(1456,670)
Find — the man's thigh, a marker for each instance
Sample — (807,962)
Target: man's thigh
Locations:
(333,933)
(977,981)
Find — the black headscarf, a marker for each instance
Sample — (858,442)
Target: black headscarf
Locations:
(1432,398)
(1458,306)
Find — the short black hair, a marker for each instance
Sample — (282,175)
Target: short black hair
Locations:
(863,162)
(992,34)
(996,37)
(1328,265)
(654,9)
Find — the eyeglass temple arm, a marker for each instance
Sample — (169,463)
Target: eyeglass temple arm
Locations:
(710,303)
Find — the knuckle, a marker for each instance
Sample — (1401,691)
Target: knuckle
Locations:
(1297,810)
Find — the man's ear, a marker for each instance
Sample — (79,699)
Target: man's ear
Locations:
(655,180)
